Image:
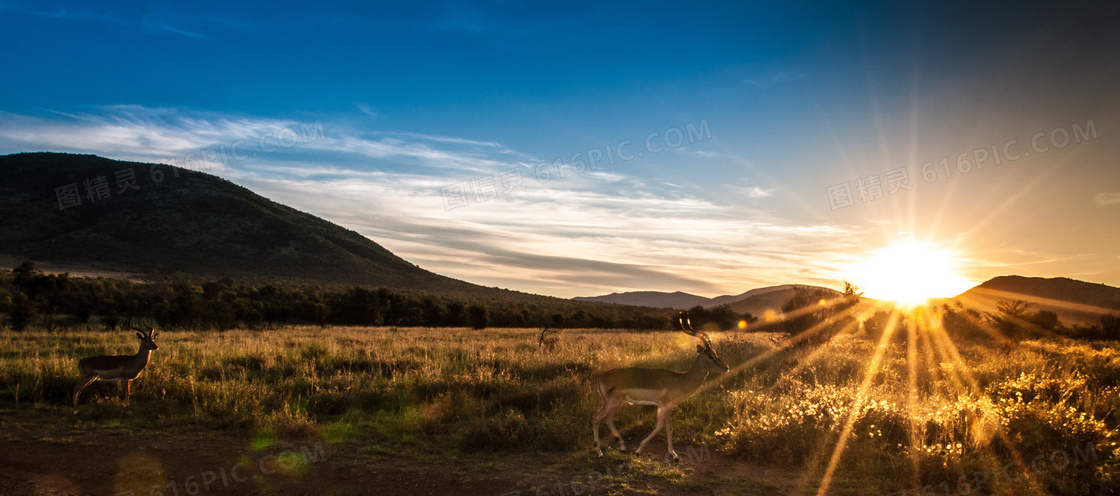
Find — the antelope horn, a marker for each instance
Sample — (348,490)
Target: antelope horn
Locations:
(704,337)
(686,326)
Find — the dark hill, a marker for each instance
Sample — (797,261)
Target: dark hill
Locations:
(654,299)
(174,221)
(755,301)
(760,303)
(1058,288)
(732,299)
(1073,300)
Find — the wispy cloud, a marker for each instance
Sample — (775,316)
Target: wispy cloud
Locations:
(159,25)
(756,192)
(573,240)
(766,81)
(582,234)
(58,12)
(167,135)
(132,132)
(366,109)
(1104,199)
(153,19)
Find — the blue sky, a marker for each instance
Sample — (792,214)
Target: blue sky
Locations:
(746,118)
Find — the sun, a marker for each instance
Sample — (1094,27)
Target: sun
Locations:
(910,272)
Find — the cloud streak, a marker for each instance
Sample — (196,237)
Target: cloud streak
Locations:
(1105,199)
(584,234)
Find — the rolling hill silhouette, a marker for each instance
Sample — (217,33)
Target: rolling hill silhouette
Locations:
(1073,300)
(756,301)
(160,220)
(653,299)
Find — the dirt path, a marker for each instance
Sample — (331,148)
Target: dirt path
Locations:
(37,462)
(47,461)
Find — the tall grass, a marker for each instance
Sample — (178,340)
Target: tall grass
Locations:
(949,419)
(474,391)
(470,391)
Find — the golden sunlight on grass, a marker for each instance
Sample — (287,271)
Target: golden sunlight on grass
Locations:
(909,400)
(910,272)
(930,408)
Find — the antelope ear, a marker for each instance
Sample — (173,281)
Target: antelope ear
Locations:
(141,336)
(699,349)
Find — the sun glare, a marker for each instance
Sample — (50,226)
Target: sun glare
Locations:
(910,272)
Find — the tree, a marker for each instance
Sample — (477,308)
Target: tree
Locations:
(188,305)
(1110,326)
(878,323)
(963,323)
(1010,317)
(478,316)
(1046,319)
(357,306)
(23,312)
(815,310)
(722,317)
(577,319)
(392,307)
(852,293)
(24,273)
(456,314)
(432,312)
(44,292)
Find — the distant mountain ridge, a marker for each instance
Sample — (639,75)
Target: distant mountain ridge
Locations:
(770,302)
(731,299)
(157,219)
(756,301)
(1074,301)
(653,299)
(1058,288)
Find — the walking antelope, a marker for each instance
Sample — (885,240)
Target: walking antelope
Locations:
(664,388)
(116,368)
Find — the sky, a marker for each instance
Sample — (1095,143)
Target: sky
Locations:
(579,149)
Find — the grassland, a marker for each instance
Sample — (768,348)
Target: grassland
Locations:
(931,416)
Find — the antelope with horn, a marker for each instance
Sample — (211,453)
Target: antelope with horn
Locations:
(664,388)
(118,367)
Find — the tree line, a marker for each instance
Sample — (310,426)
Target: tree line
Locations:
(1014,320)
(29,297)
(1010,322)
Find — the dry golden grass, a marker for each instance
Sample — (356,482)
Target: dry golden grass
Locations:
(933,417)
